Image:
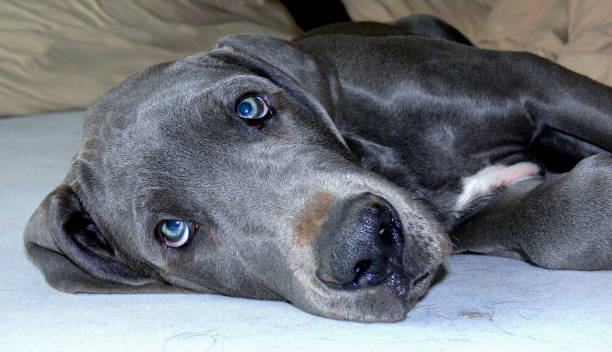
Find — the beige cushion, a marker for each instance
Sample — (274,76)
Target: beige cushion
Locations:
(574,33)
(467,15)
(58,55)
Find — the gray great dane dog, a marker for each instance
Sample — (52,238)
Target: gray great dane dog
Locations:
(336,171)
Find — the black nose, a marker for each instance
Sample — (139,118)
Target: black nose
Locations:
(360,244)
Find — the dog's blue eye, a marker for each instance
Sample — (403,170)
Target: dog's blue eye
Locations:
(175,233)
(252,108)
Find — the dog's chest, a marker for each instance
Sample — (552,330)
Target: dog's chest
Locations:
(491,178)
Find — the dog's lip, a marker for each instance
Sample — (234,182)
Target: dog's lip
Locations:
(407,287)
(403,282)
(399,283)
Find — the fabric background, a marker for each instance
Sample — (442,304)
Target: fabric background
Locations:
(60,55)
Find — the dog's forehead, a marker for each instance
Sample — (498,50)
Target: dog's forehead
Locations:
(156,88)
(177,95)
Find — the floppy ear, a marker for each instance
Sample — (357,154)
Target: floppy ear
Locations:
(308,76)
(65,244)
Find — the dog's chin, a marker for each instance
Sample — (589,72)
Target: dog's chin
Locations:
(388,302)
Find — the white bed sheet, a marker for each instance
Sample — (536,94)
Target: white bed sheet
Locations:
(481,303)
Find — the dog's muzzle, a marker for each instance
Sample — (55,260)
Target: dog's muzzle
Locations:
(362,245)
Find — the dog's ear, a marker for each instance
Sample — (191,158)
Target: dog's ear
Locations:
(308,76)
(65,244)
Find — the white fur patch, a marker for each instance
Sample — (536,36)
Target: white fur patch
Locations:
(490,178)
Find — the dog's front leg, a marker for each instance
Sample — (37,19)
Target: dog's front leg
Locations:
(561,222)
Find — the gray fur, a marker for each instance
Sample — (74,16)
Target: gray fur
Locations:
(354,127)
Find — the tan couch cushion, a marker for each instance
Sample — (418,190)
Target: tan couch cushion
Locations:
(58,55)
(467,15)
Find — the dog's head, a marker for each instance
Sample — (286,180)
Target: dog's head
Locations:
(225,172)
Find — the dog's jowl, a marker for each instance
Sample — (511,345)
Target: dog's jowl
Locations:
(330,174)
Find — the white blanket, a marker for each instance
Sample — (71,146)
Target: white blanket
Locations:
(486,303)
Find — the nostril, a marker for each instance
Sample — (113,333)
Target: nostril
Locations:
(386,236)
(384,257)
(362,267)
(369,273)
(391,239)
(385,247)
